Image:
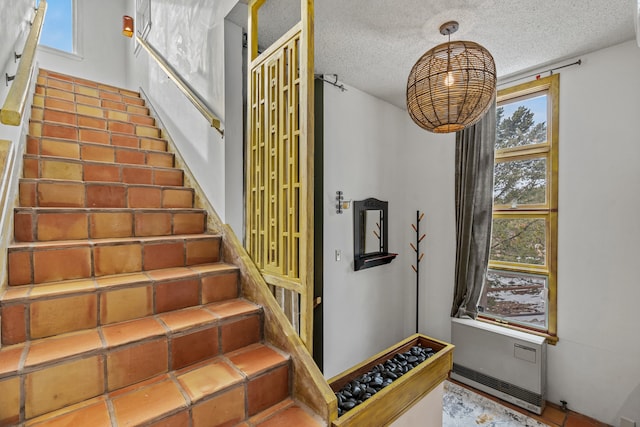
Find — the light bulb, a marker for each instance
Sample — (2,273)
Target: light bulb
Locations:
(449,80)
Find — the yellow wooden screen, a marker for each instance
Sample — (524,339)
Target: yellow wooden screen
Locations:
(279,169)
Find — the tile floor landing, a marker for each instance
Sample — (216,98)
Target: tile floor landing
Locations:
(553,415)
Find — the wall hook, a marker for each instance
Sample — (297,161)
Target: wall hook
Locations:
(9,78)
(332,83)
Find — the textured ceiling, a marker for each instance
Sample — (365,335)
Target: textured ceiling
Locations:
(372,44)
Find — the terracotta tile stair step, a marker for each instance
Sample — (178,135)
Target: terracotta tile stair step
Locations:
(187,347)
(64,86)
(182,337)
(40,100)
(49,224)
(48,167)
(88,101)
(101,146)
(41,262)
(190,396)
(79,194)
(111,112)
(285,413)
(90,133)
(43,310)
(73,149)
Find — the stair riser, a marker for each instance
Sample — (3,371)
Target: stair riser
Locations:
(102,147)
(113,111)
(102,369)
(86,150)
(82,134)
(69,83)
(41,227)
(71,94)
(73,170)
(93,195)
(51,168)
(35,318)
(33,265)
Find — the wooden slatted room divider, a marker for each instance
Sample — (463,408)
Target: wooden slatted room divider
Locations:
(280,158)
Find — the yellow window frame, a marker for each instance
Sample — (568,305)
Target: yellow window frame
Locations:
(548,210)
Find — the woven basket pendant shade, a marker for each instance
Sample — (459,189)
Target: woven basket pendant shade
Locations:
(451,86)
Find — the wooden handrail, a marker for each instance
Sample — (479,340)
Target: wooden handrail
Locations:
(184,87)
(16,101)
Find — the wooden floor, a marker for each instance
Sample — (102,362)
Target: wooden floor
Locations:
(553,414)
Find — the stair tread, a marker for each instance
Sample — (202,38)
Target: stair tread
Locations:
(44,352)
(207,383)
(102,183)
(94,284)
(61,140)
(73,160)
(287,413)
(47,209)
(80,114)
(45,72)
(58,244)
(55,224)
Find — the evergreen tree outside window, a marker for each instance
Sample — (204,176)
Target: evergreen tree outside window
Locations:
(520,290)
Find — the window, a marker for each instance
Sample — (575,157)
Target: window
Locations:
(58,28)
(520,289)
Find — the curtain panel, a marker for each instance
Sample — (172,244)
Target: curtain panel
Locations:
(474,204)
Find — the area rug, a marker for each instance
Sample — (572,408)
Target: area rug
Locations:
(464,408)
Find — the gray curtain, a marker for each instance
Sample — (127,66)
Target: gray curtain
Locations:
(474,200)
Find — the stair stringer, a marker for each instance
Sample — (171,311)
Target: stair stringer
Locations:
(308,384)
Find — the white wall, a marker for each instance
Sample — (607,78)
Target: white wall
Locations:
(596,364)
(101,47)
(234,126)
(191,36)
(14,28)
(373,149)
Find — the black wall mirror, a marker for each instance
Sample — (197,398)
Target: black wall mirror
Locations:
(370,234)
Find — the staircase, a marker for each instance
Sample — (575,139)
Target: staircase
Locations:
(120,310)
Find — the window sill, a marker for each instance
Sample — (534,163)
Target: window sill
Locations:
(551,339)
(61,53)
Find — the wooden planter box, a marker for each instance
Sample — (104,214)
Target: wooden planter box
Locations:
(392,401)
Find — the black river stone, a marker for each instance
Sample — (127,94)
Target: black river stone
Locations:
(380,376)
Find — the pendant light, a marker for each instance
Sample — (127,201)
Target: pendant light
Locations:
(452,85)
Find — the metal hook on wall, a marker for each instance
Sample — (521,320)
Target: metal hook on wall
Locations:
(332,83)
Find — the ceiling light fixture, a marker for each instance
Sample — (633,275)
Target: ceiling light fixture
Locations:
(452,85)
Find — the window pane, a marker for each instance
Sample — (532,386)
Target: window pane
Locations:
(519,240)
(57,31)
(515,297)
(520,182)
(522,122)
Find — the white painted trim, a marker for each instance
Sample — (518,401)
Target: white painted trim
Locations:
(77,47)
(77,30)
(524,336)
(637,22)
(58,52)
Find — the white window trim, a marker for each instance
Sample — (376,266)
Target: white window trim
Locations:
(76,36)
